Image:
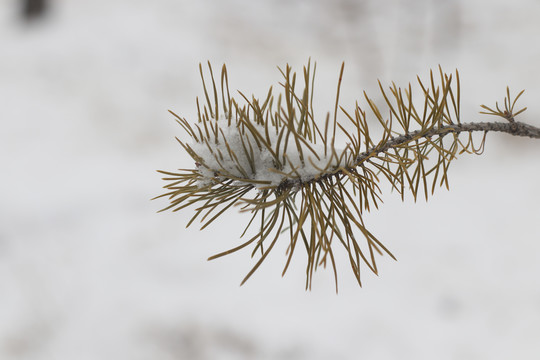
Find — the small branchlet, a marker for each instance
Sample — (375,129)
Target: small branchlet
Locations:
(509,104)
(274,161)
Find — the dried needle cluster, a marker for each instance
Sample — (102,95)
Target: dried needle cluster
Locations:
(274,161)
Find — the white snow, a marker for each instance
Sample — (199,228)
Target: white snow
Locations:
(227,156)
(88,270)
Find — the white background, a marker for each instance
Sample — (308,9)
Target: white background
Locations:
(88,270)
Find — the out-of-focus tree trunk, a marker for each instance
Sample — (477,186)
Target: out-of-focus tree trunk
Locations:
(33,9)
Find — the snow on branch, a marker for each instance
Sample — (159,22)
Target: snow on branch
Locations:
(272,159)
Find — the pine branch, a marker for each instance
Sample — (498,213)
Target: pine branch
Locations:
(273,160)
(513,128)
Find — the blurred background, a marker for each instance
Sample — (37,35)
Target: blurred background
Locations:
(88,270)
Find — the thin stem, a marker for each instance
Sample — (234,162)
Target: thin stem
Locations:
(513,128)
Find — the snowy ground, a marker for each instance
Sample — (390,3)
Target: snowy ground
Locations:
(88,270)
